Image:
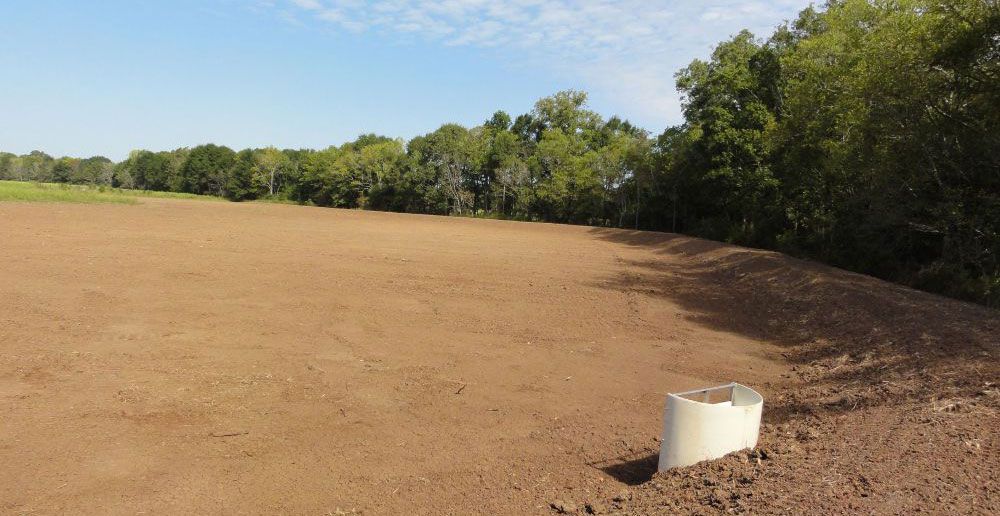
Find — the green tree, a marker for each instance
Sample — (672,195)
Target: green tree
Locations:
(94,171)
(240,184)
(151,170)
(377,164)
(63,170)
(565,112)
(454,153)
(205,170)
(726,109)
(566,189)
(270,165)
(326,179)
(500,121)
(8,164)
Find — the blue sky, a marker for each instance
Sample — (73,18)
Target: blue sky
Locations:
(82,78)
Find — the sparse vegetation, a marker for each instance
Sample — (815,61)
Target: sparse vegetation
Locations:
(27,191)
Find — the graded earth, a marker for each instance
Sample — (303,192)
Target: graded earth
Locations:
(213,358)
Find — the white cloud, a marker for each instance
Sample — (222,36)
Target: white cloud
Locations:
(626,48)
(311,5)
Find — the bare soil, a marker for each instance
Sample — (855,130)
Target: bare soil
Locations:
(189,357)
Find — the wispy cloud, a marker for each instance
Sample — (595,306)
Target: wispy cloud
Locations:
(626,48)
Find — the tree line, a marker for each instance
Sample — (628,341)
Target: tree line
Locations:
(865,134)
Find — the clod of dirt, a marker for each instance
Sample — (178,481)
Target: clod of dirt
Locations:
(561,507)
(622,496)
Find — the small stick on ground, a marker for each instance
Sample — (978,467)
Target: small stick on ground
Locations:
(460,389)
(227,434)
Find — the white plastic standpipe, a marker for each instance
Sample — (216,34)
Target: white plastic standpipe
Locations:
(694,431)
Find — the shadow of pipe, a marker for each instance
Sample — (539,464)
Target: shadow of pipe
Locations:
(630,471)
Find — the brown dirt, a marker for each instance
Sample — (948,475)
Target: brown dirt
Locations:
(182,357)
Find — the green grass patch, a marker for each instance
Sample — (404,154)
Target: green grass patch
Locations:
(279,200)
(163,195)
(20,191)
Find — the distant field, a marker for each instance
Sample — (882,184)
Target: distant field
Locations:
(23,191)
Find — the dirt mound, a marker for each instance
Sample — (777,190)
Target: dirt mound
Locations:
(890,406)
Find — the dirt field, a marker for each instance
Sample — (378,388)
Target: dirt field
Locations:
(190,357)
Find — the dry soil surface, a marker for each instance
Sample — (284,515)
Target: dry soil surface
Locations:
(214,358)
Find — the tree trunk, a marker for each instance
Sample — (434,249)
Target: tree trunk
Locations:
(503,201)
(637,201)
(673,214)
